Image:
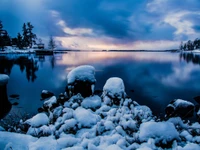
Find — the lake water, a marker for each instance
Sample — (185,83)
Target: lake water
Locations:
(150,78)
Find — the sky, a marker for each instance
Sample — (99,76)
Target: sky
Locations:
(106,24)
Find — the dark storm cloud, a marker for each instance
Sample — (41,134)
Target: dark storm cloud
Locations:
(126,20)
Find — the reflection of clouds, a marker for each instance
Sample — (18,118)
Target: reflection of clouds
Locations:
(180,75)
(80,58)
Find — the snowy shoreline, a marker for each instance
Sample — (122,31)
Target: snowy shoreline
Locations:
(110,120)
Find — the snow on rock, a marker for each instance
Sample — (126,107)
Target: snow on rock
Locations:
(92,102)
(142,112)
(113,147)
(180,107)
(49,103)
(46,94)
(114,89)
(38,120)
(189,146)
(85,117)
(162,131)
(81,80)
(2,129)
(3,79)
(82,73)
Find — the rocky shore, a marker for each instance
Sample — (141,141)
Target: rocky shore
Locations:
(79,119)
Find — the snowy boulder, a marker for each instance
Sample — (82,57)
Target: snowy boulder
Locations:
(114,89)
(179,107)
(92,102)
(3,79)
(85,117)
(81,80)
(38,120)
(46,94)
(161,131)
(50,103)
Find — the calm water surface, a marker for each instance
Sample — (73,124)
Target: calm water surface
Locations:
(156,77)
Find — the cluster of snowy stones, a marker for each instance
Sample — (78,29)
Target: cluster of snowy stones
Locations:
(111,121)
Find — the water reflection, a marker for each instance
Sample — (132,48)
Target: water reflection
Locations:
(29,64)
(155,78)
(190,57)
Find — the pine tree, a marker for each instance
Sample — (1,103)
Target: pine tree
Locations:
(51,44)
(19,41)
(25,41)
(181,45)
(4,37)
(31,36)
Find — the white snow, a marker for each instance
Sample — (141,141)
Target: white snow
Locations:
(15,141)
(3,79)
(182,103)
(85,117)
(162,131)
(38,120)
(91,102)
(114,87)
(82,73)
(50,102)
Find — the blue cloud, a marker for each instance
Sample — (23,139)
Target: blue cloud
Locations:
(127,21)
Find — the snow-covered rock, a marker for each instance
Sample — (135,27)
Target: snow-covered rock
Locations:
(38,120)
(179,107)
(114,89)
(161,131)
(49,103)
(81,80)
(85,117)
(3,79)
(92,102)
(46,94)
(82,73)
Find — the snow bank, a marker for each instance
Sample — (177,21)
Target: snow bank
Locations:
(82,73)
(15,141)
(38,120)
(162,131)
(3,79)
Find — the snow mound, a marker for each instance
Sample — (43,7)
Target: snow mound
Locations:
(38,120)
(3,79)
(162,131)
(85,117)
(114,88)
(82,73)
(92,102)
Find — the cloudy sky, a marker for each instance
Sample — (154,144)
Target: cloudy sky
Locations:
(106,24)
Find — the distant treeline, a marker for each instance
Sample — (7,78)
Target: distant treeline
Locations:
(190,45)
(24,40)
